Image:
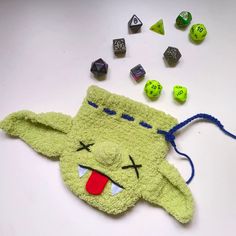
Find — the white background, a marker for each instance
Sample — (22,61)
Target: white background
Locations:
(46,49)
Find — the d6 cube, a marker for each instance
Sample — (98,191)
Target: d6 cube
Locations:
(183,19)
(172,55)
(119,46)
(138,72)
(198,32)
(99,67)
(180,93)
(135,24)
(153,89)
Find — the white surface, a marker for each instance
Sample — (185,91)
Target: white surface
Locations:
(46,49)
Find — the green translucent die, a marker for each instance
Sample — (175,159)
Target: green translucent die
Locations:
(198,32)
(110,153)
(183,19)
(153,89)
(158,27)
(180,93)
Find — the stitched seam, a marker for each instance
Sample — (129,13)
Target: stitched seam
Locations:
(124,116)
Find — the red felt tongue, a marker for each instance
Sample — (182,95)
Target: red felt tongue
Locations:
(96,183)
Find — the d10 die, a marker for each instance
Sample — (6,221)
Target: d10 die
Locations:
(198,32)
(135,24)
(119,46)
(172,55)
(138,72)
(153,89)
(99,67)
(183,19)
(180,93)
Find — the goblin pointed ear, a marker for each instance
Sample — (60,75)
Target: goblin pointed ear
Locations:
(44,132)
(168,190)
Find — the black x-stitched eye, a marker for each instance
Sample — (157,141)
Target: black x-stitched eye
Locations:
(85,146)
(133,166)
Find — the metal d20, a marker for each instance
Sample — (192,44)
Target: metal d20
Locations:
(172,55)
(99,67)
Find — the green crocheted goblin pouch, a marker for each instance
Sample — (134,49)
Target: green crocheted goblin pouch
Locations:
(111,154)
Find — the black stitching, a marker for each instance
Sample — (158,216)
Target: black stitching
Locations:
(90,168)
(85,146)
(133,166)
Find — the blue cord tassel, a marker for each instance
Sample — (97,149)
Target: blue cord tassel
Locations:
(169,136)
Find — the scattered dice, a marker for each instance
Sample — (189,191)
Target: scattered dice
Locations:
(180,93)
(138,72)
(198,32)
(119,46)
(183,19)
(135,24)
(153,89)
(99,67)
(172,55)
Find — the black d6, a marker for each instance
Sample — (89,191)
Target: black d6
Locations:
(172,55)
(99,67)
(135,24)
(119,46)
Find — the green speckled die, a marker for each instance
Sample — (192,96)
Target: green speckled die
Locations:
(180,93)
(183,19)
(198,32)
(153,89)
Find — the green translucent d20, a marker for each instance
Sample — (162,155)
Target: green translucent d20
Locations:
(158,27)
(180,93)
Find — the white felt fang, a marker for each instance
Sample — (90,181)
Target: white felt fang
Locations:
(82,171)
(115,189)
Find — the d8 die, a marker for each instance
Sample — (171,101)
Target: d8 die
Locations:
(183,19)
(198,32)
(153,89)
(119,46)
(172,55)
(135,24)
(138,72)
(180,93)
(99,67)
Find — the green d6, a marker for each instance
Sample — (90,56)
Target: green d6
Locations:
(198,32)
(180,93)
(183,19)
(153,89)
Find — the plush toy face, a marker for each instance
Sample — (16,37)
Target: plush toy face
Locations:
(110,154)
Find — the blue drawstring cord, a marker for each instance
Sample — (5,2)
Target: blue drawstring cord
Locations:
(169,136)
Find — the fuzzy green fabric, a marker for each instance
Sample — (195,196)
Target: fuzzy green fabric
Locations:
(117,138)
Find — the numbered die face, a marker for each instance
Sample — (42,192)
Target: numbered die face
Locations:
(119,46)
(135,24)
(180,93)
(198,32)
(153,89)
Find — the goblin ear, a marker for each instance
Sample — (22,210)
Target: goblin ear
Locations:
(171,192)
(44,132)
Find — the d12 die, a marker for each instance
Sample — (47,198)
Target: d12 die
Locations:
(198,32)
(99,67)
(135,24)
(153,89)
(172,55)
(138,72)
(180,93)
(119,46)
